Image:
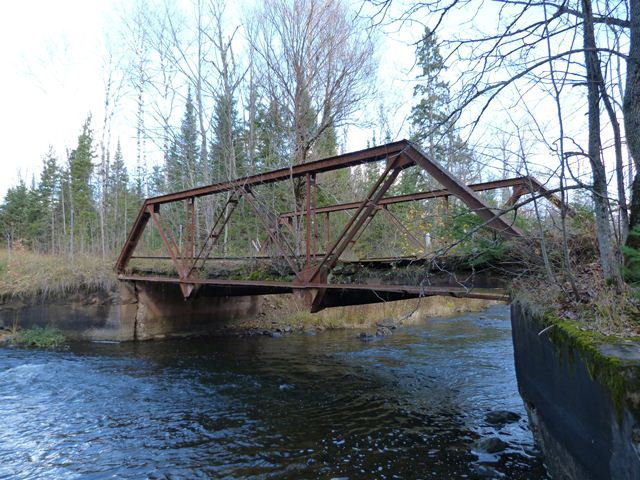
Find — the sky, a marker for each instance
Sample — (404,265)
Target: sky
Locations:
(52,79)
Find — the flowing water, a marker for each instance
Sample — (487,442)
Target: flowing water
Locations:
(410,405)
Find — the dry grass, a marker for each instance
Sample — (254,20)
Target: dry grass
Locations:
(25,274)
(596,306)
(580,294)
(291,311)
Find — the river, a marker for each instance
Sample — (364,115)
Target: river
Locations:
(409,405)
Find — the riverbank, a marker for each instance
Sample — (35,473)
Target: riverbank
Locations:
(83,298)
(103,316)
(287,313)
(25,276)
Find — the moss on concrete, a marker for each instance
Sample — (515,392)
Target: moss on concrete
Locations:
(612,361)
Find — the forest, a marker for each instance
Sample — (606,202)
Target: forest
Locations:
(547,89)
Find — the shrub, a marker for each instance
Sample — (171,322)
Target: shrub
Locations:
(42,337)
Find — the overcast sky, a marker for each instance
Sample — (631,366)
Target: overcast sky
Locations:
(52,78)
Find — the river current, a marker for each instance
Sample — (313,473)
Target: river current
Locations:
(410,405)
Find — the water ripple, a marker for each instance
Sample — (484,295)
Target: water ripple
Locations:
(328,406)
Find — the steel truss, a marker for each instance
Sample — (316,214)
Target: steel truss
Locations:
(311,269)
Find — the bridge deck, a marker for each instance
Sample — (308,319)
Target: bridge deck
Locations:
(334,294)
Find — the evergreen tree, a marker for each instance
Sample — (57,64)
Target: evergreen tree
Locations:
(432,128)
(428,116)
(188,150)
(327,144)
(227,157)
(13,221)
(82,220)
(182,162)
(173,169)
(120,200)
(271,143)
(48,194)
(157,181)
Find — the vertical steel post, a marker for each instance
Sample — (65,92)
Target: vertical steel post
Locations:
(353,226)
(327,232)
(308,221)
(190,244)
(314,200)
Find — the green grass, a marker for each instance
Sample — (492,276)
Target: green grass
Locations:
(42,337)
(25,274)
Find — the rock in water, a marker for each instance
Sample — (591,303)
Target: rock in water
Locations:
(383,331)
(491,445)
(366,337)
(388,323)
(501,417)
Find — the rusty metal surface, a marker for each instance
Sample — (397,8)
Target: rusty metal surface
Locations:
(528,184)
(403,153)
(493,218)
(288,287)
(312,267)
(353,159)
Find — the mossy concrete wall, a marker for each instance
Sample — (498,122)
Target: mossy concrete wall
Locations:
(81,316)
(136,312)
(163,312)
(581,393)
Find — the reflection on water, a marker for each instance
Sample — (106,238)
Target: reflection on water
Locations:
(327,406)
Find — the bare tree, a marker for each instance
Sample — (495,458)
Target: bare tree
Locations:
(136,40)
(632,113)
(113,83)
(225,89)
(319,66)
(525,46)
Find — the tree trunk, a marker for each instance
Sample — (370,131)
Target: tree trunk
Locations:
(608,258)
(631,109)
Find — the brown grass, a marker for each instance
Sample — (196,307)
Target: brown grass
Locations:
(290,310)
(25,274)
(597,306)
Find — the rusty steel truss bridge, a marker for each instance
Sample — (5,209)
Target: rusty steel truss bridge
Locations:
(293,236)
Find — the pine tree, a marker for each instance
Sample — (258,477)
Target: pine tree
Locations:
(182,166)
(432,128)
(119,200)
(13,221)
(173,169)
(226,154)
(188,150)
(271,135)
(48,192)
(82,218)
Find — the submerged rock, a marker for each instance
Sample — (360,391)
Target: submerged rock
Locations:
(365,337)
(501,417)
(388,323)
(491,445)
(383,331)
